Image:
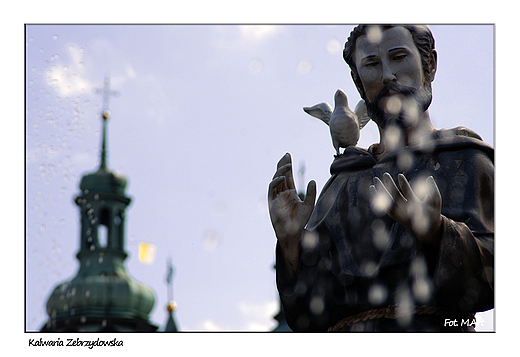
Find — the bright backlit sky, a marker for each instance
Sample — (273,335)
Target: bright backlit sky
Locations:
(203,115)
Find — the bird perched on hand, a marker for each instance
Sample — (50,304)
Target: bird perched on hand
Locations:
(344,124)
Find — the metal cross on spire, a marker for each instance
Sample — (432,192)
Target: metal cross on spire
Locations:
(105,114)
(106,92)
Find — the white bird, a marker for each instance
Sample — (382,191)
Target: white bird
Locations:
(344,124)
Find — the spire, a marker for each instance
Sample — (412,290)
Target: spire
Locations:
(103,161)
(171,326)
(105,114)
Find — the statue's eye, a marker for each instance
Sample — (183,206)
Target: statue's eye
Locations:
(370,64)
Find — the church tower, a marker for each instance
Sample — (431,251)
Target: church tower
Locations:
(102,296)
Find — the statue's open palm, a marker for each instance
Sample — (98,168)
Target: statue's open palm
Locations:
(421,215)
(289,214)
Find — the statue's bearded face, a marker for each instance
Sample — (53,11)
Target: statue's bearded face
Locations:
(390,71)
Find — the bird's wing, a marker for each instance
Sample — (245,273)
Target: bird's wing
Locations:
(363,121)
(321,111)
(361,112)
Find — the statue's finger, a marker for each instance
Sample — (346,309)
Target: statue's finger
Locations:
(310,196)
(434,193)
(392,189)
(407,190)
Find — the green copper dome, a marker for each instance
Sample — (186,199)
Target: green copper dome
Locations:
(103,180)
(101,289)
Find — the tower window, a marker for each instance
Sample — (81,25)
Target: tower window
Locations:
(103,228)
(102,236)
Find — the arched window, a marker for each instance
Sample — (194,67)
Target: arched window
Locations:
(103,228)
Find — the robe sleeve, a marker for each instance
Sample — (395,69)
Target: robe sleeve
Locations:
(307,301)
(463,275)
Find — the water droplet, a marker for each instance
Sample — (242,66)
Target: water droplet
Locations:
(405,307)
(380,235)
(381,203)
(55,37)
(333,46)
(317,305)
(310,240)
(405,161)
(377,294)
(374,34)
(304,67)
(211,239)
(255,66)
(393,105)
(421,290)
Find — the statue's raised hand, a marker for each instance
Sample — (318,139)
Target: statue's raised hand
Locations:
(289,214)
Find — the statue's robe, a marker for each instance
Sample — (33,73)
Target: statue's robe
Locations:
(355,260)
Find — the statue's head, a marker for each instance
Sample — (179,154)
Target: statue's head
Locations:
(389,59)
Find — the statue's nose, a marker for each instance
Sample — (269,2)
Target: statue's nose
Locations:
(388,75)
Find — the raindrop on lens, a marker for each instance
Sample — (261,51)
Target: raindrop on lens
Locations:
(377,294)
(374,34)
(310,240)
(317,305)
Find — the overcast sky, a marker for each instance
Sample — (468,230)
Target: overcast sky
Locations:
(203,115)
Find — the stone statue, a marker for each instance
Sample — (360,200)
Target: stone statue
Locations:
(402,235)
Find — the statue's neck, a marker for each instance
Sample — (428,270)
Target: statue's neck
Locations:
(393,137)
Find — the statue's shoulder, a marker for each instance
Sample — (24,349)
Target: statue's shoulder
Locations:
(458,132)
(461,138)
